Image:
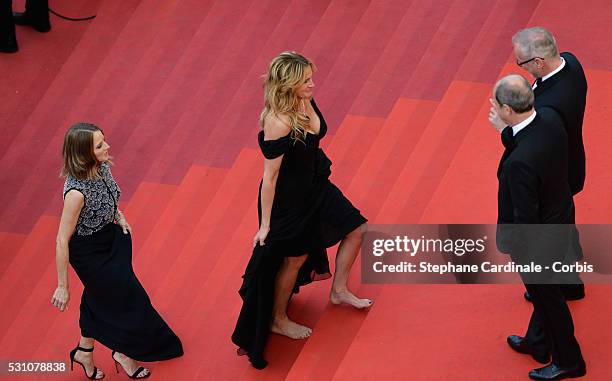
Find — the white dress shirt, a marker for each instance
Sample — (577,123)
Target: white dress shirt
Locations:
(517,127)
(558,69)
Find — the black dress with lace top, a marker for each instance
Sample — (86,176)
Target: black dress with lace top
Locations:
(309,214)
(115,309)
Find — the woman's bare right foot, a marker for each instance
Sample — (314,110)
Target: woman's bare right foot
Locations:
(345,296)
(289,328)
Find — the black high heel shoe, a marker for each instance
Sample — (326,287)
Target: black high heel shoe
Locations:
(134,375)
(72,361)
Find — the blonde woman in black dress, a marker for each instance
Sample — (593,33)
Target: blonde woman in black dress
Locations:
(95,238)
(301,213)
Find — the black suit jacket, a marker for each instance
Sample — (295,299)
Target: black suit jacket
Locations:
(533,186)
(565,92)
(533,189)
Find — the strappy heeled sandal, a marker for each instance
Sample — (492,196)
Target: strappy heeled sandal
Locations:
(94,375)
(133,376)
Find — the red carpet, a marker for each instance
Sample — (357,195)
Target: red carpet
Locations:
(175,85)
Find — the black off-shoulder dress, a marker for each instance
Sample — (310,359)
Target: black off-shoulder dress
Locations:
(309,214)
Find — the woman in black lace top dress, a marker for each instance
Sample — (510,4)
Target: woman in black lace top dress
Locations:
(95,238)
(301,213)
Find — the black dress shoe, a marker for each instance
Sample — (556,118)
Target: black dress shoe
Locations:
(9,45)
(520,345)
(554,372)
(41,24)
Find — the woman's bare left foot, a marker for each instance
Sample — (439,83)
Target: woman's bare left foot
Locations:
(130,366)
(289,328)
(86,359)
(349,298)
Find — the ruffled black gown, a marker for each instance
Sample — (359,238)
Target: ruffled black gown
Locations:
(309,214)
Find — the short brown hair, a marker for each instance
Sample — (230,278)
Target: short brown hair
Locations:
(79,159)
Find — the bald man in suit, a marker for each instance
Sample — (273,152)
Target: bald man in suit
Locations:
(534,195)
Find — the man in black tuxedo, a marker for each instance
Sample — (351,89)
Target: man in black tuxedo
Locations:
(561,85)
(534,189)
(36,15)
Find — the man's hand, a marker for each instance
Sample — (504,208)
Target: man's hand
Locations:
(494,118)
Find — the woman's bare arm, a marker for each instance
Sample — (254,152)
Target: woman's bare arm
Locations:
(274,128)
(73,203)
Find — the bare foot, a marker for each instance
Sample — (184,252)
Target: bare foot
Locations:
(130,366)
(290,329)
(86,358)
(347,297)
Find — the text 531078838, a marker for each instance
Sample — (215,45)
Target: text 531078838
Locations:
(28,366)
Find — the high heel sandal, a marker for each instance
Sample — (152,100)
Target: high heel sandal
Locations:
(72,361)
(134,375)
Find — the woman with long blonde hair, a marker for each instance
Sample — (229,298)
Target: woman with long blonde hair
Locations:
(301,213)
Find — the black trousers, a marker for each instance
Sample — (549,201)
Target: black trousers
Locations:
(7,26)
(551,327)
(37,11)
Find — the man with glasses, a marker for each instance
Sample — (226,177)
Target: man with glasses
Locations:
(561,85)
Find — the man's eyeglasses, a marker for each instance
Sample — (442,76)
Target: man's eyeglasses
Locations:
(527,61)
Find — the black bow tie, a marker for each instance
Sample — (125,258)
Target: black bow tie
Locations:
(509,143)
(507,137)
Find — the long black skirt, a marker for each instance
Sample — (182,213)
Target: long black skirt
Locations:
(115,309)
